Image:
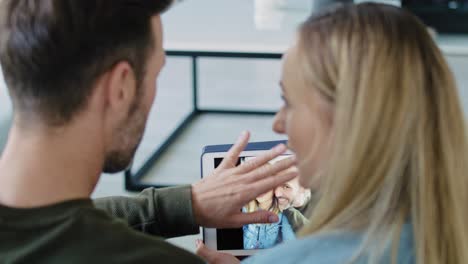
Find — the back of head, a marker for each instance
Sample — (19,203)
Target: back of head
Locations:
(400,150)
(52,51)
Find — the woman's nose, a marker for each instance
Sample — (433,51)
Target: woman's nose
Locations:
(278,122)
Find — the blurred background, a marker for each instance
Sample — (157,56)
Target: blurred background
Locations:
(264,28)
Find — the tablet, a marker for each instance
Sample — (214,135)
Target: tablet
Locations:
(245,241)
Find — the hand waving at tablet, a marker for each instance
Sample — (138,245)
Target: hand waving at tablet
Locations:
(218,199)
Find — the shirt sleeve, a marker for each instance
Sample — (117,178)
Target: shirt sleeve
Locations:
(163,212)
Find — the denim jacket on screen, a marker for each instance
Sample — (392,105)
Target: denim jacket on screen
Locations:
(261,236)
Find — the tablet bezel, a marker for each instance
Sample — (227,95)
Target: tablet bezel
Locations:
(207,167)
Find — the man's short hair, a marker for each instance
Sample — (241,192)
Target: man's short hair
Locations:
(53,51)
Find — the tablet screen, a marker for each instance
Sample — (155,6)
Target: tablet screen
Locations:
(287,201)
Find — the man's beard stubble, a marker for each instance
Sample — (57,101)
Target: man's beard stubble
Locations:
(125,145)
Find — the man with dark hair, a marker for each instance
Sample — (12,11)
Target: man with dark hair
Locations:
(81,75)
(287,195)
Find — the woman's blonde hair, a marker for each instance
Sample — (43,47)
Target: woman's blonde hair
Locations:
(400,150)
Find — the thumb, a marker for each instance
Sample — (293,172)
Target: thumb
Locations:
(212,256)
(204,252)
(258,217)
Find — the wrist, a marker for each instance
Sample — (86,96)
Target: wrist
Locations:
(197,215)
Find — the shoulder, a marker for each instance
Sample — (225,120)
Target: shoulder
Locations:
(291,211)
(295,215)
(334,248)
(317,248)
(110,237)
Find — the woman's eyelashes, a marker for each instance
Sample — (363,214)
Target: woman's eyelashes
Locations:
(285,101)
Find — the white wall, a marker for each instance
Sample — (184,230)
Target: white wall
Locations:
(459,66)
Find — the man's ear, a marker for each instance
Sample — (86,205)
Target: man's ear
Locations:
(120,88)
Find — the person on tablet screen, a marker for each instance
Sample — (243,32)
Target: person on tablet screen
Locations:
(289,194)
(260,236)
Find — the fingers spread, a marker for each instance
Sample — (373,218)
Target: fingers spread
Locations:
(266,184)
(270,170)
(233,154)
(248,191)
(258,217)
(262,159)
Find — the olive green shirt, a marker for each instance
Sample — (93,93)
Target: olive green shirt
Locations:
(110,230)
(295,218)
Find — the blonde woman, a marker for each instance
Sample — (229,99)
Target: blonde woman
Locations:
(372,112)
